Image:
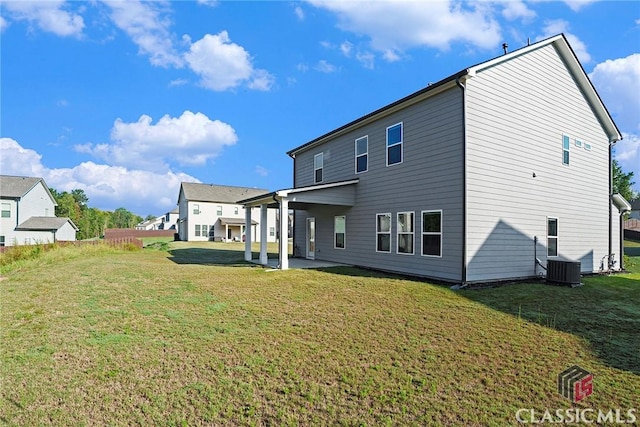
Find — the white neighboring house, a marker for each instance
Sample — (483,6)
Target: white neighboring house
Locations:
(28,213)
(212,212)
(168,221)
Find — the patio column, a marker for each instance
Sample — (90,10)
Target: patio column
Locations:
(283,252)
(247,234)
(263,235)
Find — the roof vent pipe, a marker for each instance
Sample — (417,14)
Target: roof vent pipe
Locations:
(505,46)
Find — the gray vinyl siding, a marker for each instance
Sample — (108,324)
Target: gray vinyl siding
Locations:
(517,113)
(429,178)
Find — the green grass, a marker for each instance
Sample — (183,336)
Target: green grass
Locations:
(194,336)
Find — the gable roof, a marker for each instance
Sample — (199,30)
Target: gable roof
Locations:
(15,187)
(217,193)
(45,223)
(564,50)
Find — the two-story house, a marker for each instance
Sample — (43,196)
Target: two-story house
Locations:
(28,213)
(212,212)
(483,176)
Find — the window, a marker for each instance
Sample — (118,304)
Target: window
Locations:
(166,217)
(339,231)
(196,209)
(272,231)
(218,210)
(552,237)
(362,154)
(394,144)
(383,232)
(405,232)
(565,149)
(432,233)
(6,210)
(1,241)
(317,167)
(198,230)
(587,146)
(578,143)
(235,210)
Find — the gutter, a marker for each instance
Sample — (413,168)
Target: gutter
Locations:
(463,271)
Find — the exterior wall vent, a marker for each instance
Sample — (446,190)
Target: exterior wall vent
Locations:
(564,272)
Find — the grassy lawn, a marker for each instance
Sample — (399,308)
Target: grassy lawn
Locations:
(192,335)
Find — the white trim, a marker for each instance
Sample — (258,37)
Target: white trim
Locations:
(431,233)
(413,233)
(366,153)
(568,149)
(307,236)
(384,232)
(401,143)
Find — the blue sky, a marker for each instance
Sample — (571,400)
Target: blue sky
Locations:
(125,100)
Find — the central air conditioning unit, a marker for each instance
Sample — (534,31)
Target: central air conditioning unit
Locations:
(563,272)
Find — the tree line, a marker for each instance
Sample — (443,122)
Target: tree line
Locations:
(91,222)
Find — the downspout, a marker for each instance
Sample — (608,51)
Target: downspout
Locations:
(463,270)
(609,257)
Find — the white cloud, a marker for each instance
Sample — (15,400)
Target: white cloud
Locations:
(49,16)
(325,67)
(210,3)
(224,65)
(107,187)
(191,139)
(302,67)
(3,24)
(262,171)
(557,26)
(345,48)
(367,59)
(148,26)
(434,24)
(576,5)
(516,9)
(618,84)
(299,13)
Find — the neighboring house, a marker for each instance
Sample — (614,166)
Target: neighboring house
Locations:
(212,212)
(28,213)
(635,209)
(166,222)
(470,179)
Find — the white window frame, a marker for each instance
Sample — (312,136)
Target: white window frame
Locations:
(235,210)
(366,153)
(401,144)
(556,237)
(196,209)
(316,168)
(335,232)
(566,150)
(387,214)
(197,231)
(272,231)
(219,210)
(412,233)
(6,208)
(432,233)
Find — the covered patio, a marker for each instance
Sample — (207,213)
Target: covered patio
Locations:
(342,193)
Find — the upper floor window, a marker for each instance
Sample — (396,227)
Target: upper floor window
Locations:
(2,241)
(218,210)
(405,232)
(565,149)
(362,154)
(552,236)
(318,164)
(432,233)
(235,210)
(394,144)
(6,210)
(196,208)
